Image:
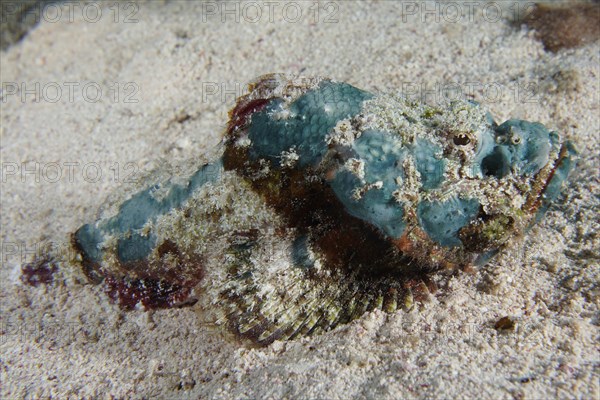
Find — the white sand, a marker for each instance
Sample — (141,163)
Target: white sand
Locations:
(67,339)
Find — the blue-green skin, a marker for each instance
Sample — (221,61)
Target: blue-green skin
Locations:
(311,117)
(515,146)
(375,206)
(134,213)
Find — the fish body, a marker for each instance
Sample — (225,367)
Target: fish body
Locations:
(327,201)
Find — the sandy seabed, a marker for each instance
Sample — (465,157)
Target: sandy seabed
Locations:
(101,98)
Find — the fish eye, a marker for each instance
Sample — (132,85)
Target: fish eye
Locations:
(501,139)
(461,140)
(515,139)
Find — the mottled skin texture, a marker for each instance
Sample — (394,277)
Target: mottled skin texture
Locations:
(403,177)
(371,193)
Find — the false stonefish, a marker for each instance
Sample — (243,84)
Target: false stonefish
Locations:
(324,202)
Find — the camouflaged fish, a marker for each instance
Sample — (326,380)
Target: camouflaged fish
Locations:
(325,202)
